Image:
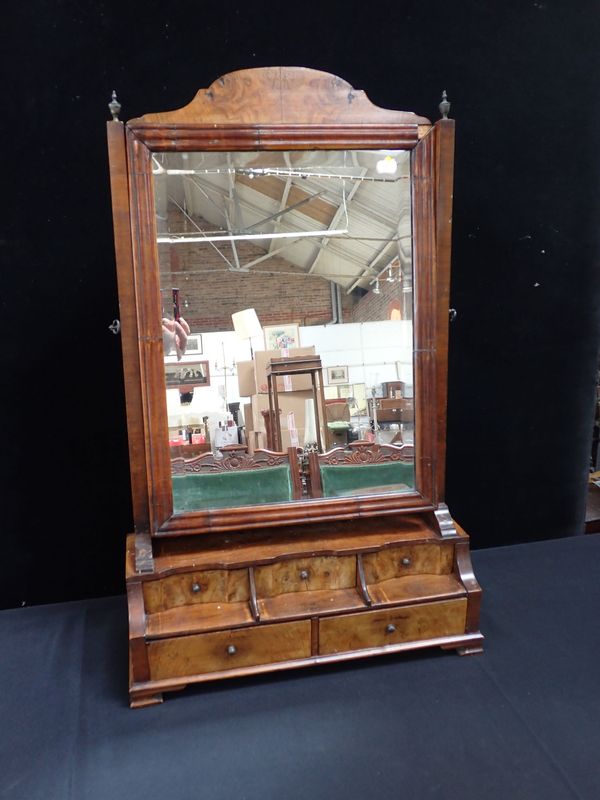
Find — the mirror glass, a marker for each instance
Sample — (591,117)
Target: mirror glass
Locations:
(272,262)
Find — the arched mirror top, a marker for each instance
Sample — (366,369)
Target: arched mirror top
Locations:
(280,95)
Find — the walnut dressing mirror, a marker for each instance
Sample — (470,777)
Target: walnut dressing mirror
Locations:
(283,261)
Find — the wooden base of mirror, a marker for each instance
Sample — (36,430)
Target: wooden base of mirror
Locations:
(214,608)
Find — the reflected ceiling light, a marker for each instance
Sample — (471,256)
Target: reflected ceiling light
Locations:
(240,237)
(390,278)
(387,166)
(376,289)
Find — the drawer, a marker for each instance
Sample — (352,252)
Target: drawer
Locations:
(207,586)
(213,652)
(418,559)
(392,626)
(305,575)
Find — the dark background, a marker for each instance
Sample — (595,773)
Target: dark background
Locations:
(522,78)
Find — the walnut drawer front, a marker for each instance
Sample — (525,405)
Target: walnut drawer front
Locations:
(395,562)
(392,626)
(214,652)
(305,575)
(207,586)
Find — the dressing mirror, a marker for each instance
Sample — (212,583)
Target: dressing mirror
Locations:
(266,241)
(283,259)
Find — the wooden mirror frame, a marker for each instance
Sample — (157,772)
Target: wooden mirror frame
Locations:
(279,108)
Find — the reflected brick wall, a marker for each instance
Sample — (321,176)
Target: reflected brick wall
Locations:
(372,307)
(279,291)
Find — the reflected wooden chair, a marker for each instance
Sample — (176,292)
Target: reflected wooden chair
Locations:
(236,479)
(362,468)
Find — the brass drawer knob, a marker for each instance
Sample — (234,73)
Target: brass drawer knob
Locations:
(196,587)
(303,574)
(406,562)
(390,628)
(231,650)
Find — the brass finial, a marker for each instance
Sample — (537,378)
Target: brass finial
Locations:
(444,105)
(114,107)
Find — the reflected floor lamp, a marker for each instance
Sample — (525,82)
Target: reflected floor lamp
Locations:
(247,326)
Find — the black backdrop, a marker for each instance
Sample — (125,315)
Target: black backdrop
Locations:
(522,78)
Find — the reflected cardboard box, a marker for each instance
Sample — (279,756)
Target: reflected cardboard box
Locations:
(297,414)
(248,421)
(258,439)
(246,379)
(286,383)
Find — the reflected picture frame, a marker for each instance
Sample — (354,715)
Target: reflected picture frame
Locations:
(194,344)
(187,374)
(337,375)
(282,337)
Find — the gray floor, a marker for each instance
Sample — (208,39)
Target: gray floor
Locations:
(520,721)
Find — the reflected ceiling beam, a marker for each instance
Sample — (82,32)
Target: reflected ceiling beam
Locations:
(269,187)
(236,257)
(342,209)
(228,197)
(199,229)
(270,254)
(232,193)
(284,199)
(223,212)
(207,186)
(229,215)
(246,267)
(279,214)
(195,181)
(320,210)
(218,190)
(244,203)
(223,236)
(369,270)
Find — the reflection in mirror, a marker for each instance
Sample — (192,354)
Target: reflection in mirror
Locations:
(286,291)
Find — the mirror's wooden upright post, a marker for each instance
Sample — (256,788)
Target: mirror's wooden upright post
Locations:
(444,171)
(227,588)
(119,184)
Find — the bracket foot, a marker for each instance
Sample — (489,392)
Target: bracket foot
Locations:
(145,700)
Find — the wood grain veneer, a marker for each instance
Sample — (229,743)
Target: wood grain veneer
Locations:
(207,586)
(305,575)
(380,628)
(397,562)
(211,652)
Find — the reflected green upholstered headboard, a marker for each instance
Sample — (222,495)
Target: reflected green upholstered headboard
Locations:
(344,479)
(194,492)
